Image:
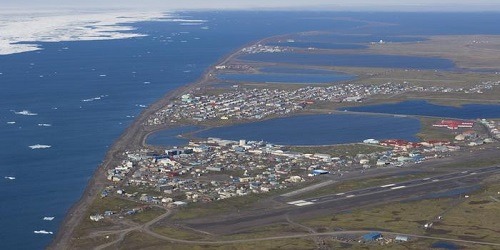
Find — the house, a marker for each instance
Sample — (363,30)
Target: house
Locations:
(319,172)
(401,238)
(96,217)
(372,236)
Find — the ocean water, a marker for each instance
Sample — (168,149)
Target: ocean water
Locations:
(89,92)
(422,107)
(320,129)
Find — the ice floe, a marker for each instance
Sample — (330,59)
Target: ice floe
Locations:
(94,98)
(43,232)
(181,20)
(24,112)
(40,146)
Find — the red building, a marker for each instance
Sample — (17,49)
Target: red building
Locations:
(454,124)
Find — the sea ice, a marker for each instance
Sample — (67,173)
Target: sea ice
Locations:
(25,112)
(32,27)
(43,232)
(40,146)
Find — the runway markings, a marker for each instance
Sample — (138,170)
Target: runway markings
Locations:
(398,187)
(300,203)
(388,185)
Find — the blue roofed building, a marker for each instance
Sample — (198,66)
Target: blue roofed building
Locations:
(372,236)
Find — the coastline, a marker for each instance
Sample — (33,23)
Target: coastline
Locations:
(134,136)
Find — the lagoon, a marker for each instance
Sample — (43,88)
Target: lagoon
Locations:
(354,60)
(287,78)
(320,129)
(422,107)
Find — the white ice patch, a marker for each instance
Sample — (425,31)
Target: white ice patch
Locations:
(94,98)
(24,112)
(180,20)
(31,28)
(43,232)
(40,146)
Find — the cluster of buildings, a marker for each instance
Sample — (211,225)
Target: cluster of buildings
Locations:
(476,89)
(454,124)
(259,48)
(249,104)
(214,169)
(217,169)
(254,104)
(124,212)
(493,127)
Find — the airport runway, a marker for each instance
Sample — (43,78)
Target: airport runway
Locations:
(394,186)
(331,204)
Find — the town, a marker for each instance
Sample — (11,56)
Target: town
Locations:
(241,103)
(212,169)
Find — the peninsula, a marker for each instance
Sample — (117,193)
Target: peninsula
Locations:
(244,193)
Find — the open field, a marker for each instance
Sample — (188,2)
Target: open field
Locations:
(472,218)
(144,241)
(428,132)
(232,205)
(339,150)
(99,206)
(476,52)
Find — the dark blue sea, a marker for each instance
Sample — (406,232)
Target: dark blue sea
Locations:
(89,92)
